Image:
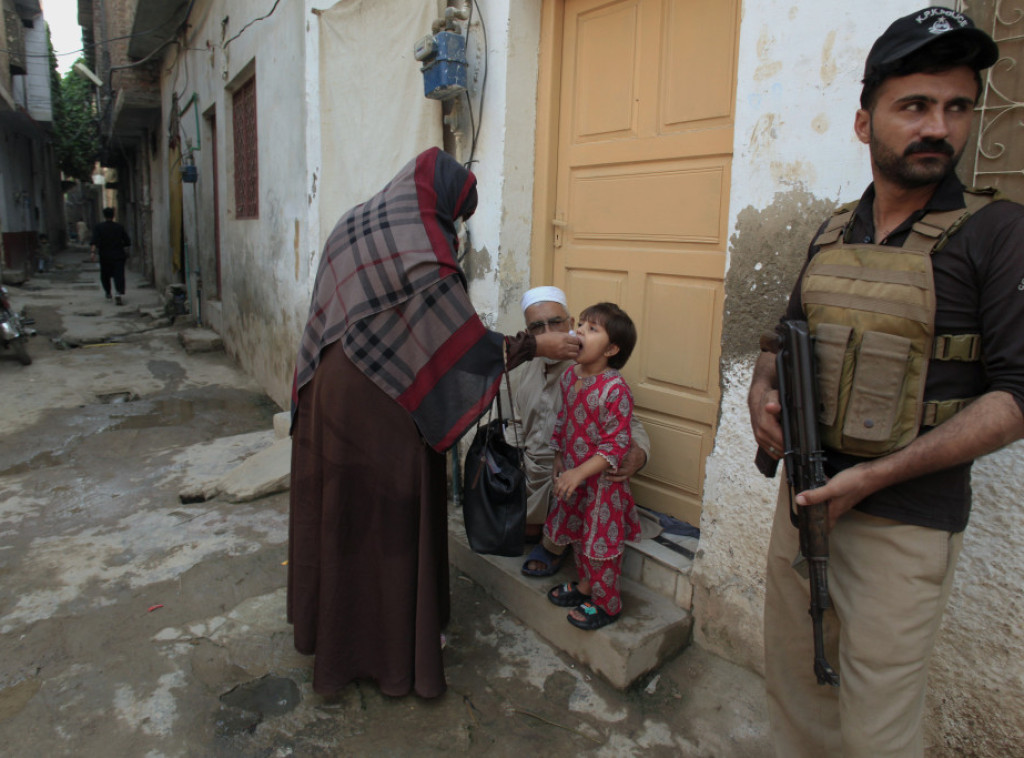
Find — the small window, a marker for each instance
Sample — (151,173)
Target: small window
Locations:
(247,169)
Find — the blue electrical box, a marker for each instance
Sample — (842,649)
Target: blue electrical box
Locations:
(444,65)
(189,173)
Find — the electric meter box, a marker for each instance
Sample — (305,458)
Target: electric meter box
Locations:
(445,67)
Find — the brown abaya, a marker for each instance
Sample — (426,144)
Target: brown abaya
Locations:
(393,367)
(368,555)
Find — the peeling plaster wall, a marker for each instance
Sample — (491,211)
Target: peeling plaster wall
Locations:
(258,257)
(269,263)
(796,157)
(499,265)
(262,306)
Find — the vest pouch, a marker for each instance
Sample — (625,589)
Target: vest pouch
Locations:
(876,394)
(871,309)
(834,360)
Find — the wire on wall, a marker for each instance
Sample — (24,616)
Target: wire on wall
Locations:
(239,34)
(172,39)
(474,128)
(106,41)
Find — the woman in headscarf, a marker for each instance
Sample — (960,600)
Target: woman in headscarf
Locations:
(394,366)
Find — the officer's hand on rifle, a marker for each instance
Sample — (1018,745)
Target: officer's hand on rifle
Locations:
(843,491)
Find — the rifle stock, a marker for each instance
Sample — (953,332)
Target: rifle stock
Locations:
(805,470)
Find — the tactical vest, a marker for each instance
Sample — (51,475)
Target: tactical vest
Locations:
(871,310)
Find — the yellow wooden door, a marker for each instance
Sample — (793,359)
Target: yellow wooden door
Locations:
(639,211)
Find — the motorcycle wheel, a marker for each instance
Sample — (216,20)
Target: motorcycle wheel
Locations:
(20,347)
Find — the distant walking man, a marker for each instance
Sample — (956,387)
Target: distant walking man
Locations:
(110,239)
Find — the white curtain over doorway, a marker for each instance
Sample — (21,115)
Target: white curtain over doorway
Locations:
(373,115)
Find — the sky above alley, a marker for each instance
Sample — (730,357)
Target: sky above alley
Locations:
(66,34)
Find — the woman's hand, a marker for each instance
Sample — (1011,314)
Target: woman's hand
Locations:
(559,346)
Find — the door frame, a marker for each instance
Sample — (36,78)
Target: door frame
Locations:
(545,165)
(548,117)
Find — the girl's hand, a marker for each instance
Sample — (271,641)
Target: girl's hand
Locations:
(566,483)
(558,466)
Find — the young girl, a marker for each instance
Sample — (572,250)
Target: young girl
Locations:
(594,515)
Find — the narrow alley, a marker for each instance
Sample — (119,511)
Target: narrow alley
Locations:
(136,624)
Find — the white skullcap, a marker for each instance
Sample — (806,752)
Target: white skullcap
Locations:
(544,295)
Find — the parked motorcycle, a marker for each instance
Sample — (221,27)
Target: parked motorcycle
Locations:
(13,334)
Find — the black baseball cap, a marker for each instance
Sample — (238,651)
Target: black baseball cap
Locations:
(912,33)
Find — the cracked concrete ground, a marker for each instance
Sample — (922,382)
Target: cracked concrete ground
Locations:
(132,624)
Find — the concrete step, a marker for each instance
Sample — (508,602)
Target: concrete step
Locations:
(652,630)
(658,567)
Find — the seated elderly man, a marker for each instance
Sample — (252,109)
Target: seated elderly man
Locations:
(536,402)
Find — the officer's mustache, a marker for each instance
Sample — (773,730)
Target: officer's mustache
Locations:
(929,146)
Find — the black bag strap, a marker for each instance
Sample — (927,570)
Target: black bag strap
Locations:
(520,462)
(512,418)
(501,416)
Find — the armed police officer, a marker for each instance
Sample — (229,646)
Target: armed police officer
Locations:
(914,296)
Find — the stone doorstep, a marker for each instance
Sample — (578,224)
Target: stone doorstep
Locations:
(653,629)
(198,340)
(661,569)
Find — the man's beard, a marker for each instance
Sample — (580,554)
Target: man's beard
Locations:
(900,170)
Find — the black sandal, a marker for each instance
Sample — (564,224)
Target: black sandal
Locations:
(566,595)
(595,617)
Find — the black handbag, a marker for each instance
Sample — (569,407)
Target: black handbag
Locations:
(494,499)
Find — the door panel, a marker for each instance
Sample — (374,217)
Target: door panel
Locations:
(605,98)
(671,201)
(641,192)
(698,61)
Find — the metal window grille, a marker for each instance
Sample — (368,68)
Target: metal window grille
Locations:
(247,169)
(999,150)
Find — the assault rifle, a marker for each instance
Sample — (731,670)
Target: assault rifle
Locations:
(804,458)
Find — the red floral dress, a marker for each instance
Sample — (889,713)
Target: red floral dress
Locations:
(594,420)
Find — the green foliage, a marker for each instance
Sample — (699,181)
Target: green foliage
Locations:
(75,128)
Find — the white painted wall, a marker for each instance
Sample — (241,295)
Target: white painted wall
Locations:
(503,161)
(262,297)
(798,86)
(268,264)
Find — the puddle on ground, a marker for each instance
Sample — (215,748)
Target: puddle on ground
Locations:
(268,696)
(230,723)
(171,373)
(114,398)
(213,405)
(41,460)
(172,412)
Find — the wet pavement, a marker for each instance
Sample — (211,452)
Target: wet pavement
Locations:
(135,624)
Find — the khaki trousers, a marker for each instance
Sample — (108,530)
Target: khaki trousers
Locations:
(889,584)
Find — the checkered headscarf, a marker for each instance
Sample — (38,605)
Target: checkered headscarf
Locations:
(390,288)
